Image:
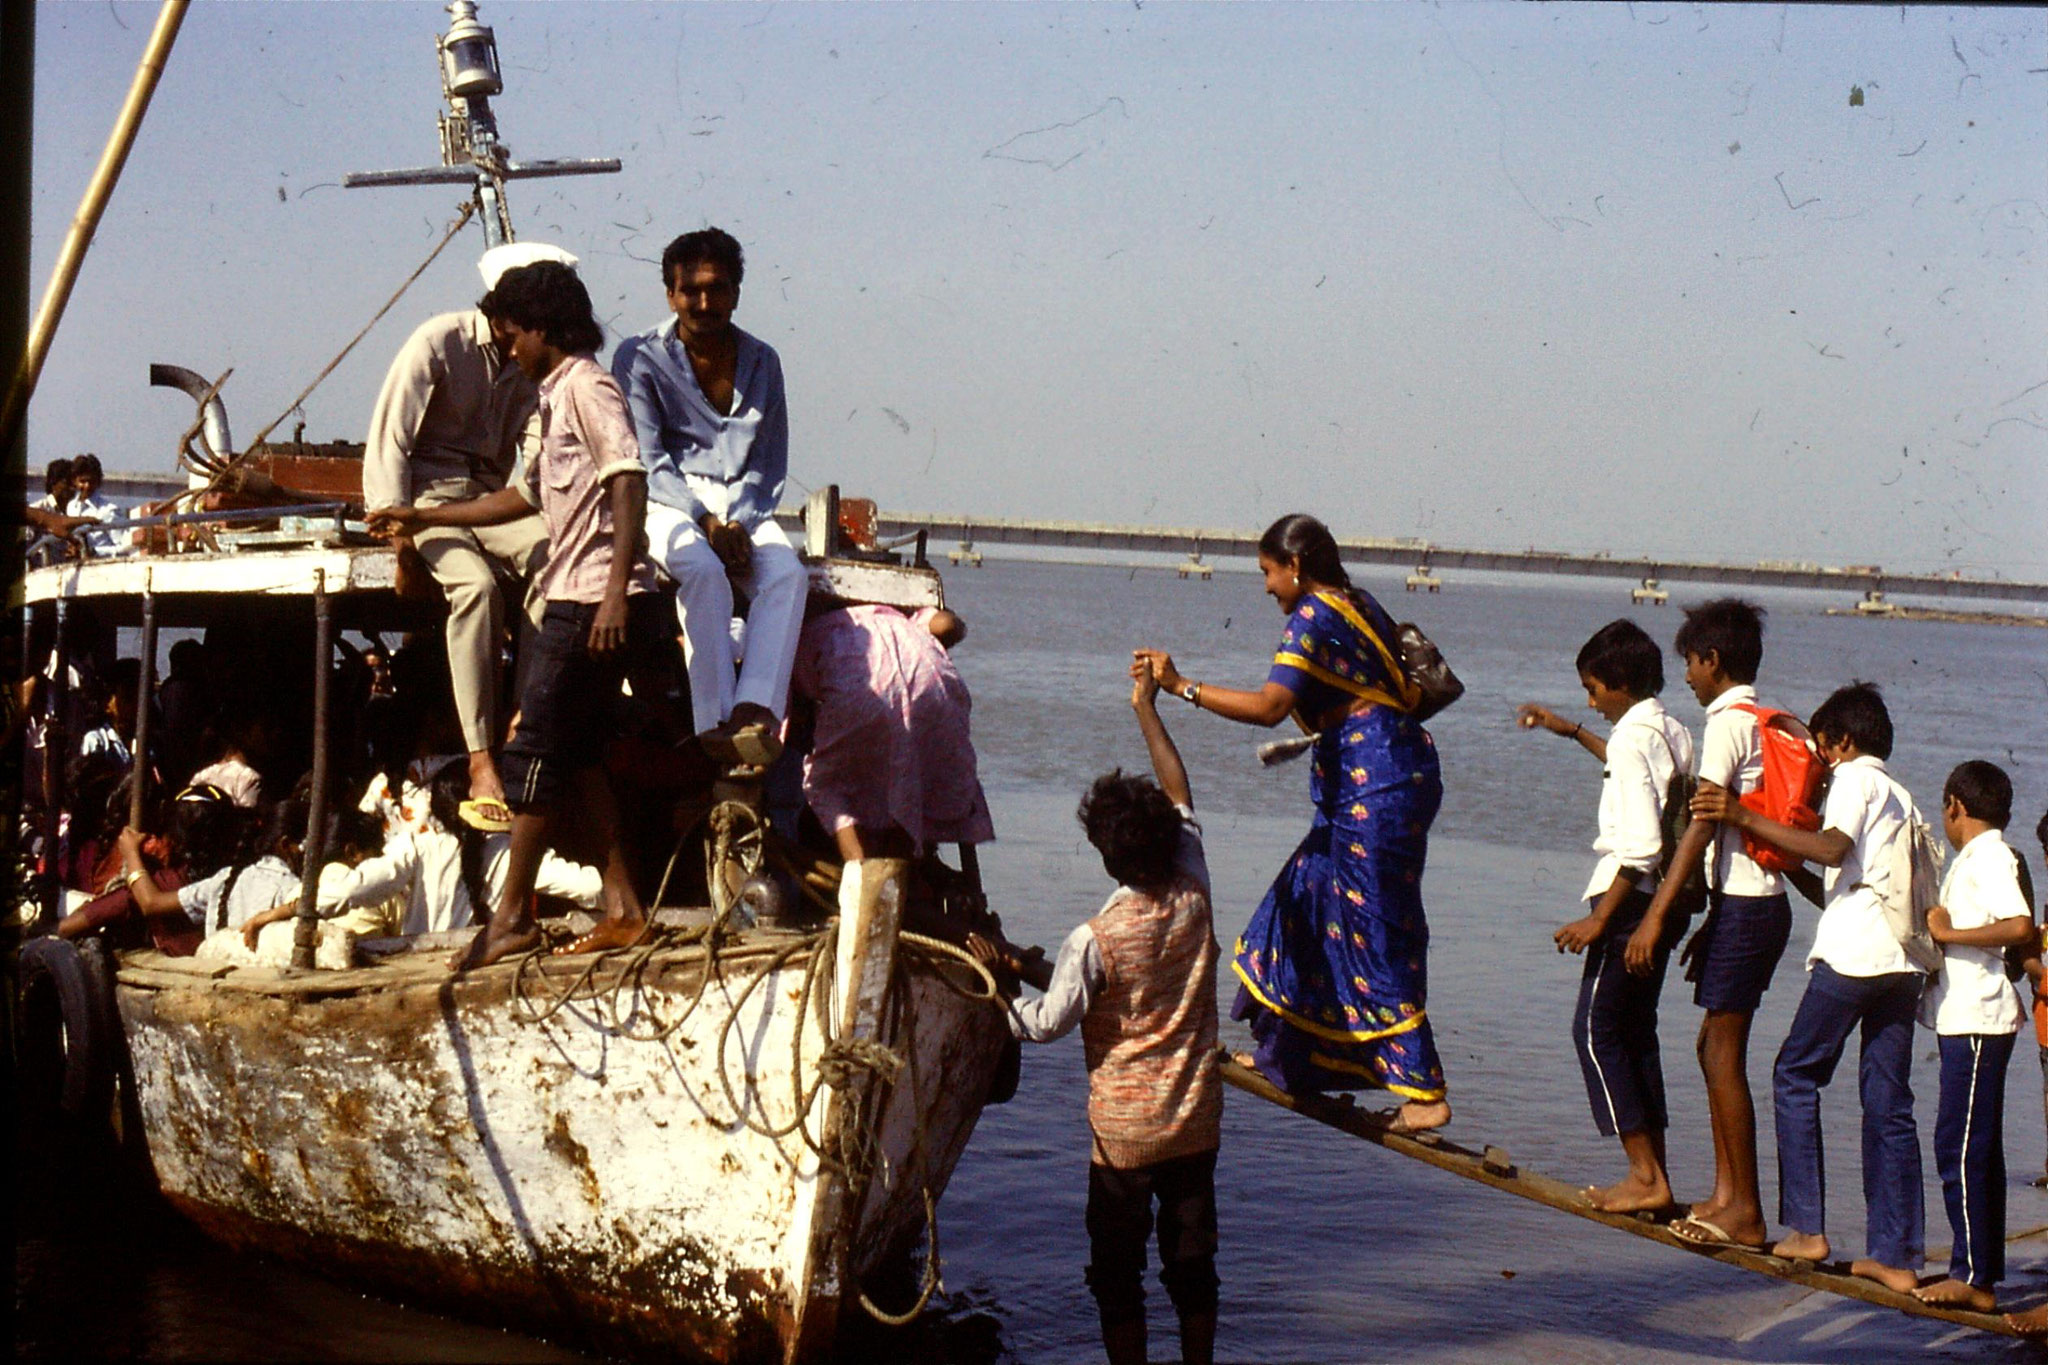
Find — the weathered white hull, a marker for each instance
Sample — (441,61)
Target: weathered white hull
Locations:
(577,1174)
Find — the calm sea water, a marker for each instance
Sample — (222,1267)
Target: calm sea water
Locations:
(1332,1249)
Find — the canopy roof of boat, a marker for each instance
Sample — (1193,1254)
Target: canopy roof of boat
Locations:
(198,589)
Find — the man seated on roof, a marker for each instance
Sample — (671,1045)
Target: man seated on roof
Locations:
(708,408)
(450,424)
(87,504)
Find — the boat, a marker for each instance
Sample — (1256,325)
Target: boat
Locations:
(713,1146)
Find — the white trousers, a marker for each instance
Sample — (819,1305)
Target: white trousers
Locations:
(778,584)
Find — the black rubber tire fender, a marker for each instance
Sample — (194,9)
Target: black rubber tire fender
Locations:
(67,1004)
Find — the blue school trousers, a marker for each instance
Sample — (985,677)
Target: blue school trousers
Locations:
(1969,1152)
(1834,1006)
(1615,1029)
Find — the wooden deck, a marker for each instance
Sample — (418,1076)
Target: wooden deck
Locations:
(1493,1166)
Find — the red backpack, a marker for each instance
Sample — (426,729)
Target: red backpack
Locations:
(1790,792)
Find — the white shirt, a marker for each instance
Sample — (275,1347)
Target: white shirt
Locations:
(242,784)
(1971,993)
(1647,746)
(1732,756)
(1865,804)
(1078,974)
(263,884)
(415,885)
(99,509)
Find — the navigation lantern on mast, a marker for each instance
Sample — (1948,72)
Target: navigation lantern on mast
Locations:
(471,153)
(469,55)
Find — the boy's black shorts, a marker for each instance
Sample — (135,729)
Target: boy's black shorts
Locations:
(566,710)
(1120,1223)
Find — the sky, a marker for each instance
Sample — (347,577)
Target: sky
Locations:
(1720,282)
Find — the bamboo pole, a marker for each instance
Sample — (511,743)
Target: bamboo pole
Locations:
(313,853)
(87,221)
(56,745)
(1493,1167)
(145,687)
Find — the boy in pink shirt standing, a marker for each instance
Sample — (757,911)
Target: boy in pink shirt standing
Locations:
(603,616)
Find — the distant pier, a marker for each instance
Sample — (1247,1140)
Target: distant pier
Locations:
(1426,559)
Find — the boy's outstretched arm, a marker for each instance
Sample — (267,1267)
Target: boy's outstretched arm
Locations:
(1828,847)
(1166,764)
(1532,715)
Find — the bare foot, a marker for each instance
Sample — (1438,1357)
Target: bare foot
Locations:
(484,782)
(1891,1277)
(1420,1116)
(1953,1293)
(491,945)
(1630,1196)
(2032,1323)
(609,934)
(1802,1246)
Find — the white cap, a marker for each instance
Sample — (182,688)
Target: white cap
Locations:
(499,259)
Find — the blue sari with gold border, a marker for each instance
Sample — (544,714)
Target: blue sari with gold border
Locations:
(1333,967)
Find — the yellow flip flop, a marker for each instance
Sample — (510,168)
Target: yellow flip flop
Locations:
(489,814)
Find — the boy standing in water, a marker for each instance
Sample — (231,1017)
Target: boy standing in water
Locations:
(1140,980)
(1860,979)
(1736,951)
(1976,1015)
(1615,1025)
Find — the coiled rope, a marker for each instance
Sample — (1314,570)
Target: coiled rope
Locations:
(620,1005)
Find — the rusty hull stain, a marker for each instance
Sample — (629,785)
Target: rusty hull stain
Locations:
(561,1300)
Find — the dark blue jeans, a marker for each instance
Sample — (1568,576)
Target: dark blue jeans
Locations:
(1615,1029)
(1969,1152)
(1833,1007)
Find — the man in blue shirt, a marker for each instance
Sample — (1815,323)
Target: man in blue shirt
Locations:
(708,407)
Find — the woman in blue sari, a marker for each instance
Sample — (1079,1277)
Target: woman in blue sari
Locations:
(1333,968)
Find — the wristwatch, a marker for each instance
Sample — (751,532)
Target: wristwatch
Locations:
(1192,694)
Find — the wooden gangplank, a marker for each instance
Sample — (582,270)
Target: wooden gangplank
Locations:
(1493,1167)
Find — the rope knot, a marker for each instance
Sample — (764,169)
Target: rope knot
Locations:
(844,1058)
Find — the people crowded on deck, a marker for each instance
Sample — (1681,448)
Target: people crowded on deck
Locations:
(1333,967)
(603,618)
(204,832)
(708,408)
(442,876)
(450,424)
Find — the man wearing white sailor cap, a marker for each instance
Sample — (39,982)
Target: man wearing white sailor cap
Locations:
(450,424)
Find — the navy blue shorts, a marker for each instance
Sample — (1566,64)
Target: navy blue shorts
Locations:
(566,710)
(1746,936)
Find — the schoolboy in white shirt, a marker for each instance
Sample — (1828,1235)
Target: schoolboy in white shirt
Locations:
(1615,1024)
(1859,977)
(1976,1014)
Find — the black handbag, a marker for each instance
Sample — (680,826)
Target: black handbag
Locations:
(1424,664)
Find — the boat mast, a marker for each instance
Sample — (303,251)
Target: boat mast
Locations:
(471,151)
